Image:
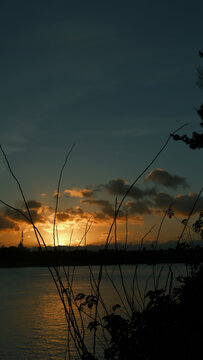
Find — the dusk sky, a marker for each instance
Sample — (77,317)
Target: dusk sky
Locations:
(115,78)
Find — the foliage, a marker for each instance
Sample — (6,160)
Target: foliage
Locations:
(168,328)
(198,225)
(196,141)
(89,300)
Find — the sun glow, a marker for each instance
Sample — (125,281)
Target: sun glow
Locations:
(63,241)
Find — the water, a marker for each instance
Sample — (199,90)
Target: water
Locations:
(32,321)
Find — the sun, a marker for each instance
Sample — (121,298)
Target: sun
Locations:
(63,240)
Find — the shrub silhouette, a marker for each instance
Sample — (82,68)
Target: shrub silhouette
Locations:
(169,328)
(196,141)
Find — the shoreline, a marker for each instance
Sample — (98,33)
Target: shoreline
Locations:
(18,258)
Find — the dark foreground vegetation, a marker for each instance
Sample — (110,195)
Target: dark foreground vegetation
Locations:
(24,257)
(170,327)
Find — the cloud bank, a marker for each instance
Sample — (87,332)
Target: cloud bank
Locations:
(101,210)
(182,204)
(163,177)
(120,187)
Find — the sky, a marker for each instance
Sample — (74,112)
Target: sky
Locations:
(113,78)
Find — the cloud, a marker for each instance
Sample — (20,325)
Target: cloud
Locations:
(33,204)
(120,187)
(7,224)
(80,193)
(78,214)
(138,208)
(163,177)
(108,212)
(105,206)
(182,204)
(57,194)
(164,200)
(71,214)
(36,210)
(101,217)
(63,216)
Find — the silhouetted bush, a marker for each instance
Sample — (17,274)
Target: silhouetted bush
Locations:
(169,328)
(196,140)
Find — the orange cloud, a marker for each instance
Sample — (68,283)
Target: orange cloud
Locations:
(72,214)
(55,194)
(80,193)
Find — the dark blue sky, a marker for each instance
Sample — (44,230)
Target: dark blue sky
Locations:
(113,77)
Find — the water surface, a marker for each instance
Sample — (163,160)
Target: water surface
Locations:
(32,321)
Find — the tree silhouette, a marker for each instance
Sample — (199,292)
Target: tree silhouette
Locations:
(196,141)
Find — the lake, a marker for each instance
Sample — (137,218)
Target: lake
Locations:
(32,321)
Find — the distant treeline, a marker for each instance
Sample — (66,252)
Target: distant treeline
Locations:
(24,257)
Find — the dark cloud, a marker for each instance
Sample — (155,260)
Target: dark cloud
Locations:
(182,204)
(35,211)
(7,224)
(102,217)
(33,204)
(10,219)
(104,211)
(99,216)
(108,212)
(163,177)
(37,217)
(87,193)
(76,213)
(63,216)
(105,206)
(138,208)
(164,200)
(120,187)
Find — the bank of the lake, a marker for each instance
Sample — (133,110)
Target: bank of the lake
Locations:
(23,257)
